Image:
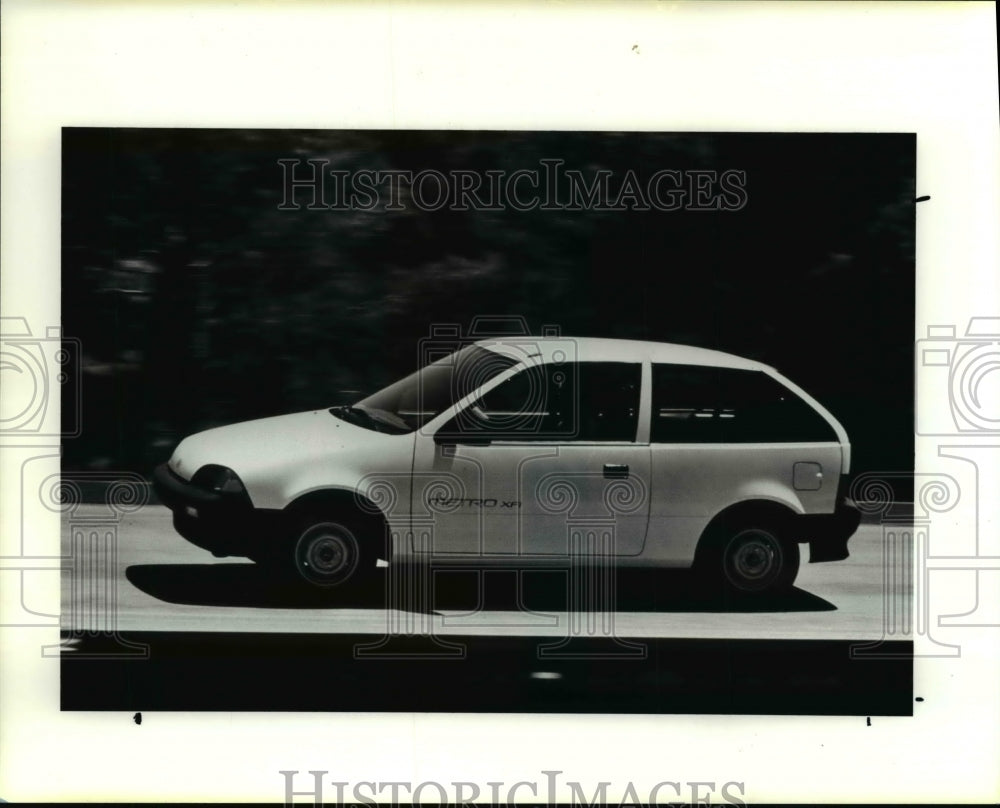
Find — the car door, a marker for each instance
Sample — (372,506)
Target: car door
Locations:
(552,461)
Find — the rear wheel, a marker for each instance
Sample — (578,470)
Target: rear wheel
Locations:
(749,559)
(758,559)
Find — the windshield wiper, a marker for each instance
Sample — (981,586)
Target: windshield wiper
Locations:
(356,415)
(379,420)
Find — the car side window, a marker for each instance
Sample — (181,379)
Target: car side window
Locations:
(586,401)
(609,400)
(697,404)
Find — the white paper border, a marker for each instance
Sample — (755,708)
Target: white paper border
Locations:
(923,67)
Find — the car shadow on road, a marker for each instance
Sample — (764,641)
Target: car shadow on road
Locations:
(470,591)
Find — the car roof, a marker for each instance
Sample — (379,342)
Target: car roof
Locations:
(599,349)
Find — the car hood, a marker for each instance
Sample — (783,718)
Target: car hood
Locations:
(267,444)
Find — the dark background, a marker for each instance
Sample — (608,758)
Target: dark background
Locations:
(198,302)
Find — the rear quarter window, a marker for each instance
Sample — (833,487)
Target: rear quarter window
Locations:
(697,404)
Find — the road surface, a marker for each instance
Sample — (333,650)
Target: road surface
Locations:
(160,582)
(151,622)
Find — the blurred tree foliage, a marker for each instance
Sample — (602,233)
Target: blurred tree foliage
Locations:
(199,302)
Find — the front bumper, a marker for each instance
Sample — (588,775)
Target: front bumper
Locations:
(224,524)
(828,534)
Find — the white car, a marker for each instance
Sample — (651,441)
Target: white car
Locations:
(533,452)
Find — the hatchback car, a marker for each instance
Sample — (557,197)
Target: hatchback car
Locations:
(532,452)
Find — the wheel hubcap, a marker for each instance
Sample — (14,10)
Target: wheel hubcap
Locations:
(327,554)
(753,560)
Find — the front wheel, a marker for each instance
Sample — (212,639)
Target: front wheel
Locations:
(323,551)
(327,553)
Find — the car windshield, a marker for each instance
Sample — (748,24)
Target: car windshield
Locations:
(408,404)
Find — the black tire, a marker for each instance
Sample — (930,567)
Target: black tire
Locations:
(752,559)
(328,551)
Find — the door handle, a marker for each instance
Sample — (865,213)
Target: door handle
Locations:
(615,471)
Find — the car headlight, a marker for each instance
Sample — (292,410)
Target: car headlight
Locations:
(220,479)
